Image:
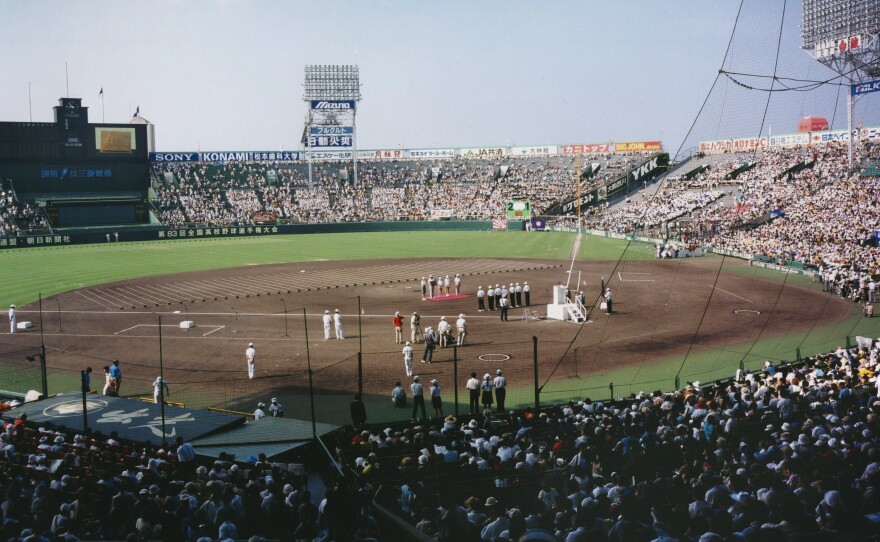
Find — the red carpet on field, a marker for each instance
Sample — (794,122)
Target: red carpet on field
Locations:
(450,297)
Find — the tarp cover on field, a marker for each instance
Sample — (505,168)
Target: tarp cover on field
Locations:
(131,419)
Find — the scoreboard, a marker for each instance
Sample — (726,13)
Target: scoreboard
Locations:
(72,156)
(519,209)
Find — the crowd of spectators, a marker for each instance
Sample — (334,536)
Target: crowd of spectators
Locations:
(16,218)
(800,204)
(57,486)
(457,188)
(790,452)
(787,453)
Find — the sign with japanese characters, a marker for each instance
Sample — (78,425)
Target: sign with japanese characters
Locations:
(587,148)
(432,153)
(484,152)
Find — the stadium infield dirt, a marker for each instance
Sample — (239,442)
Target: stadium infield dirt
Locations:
(660,307)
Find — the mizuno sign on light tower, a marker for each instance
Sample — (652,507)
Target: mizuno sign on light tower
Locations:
(332,92)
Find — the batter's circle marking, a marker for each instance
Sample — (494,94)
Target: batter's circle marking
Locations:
(493,357)
(746,311)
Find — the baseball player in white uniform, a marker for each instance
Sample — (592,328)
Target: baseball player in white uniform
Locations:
(337,320)
(160,390)
(461,327)
(11,318)
(327,320)
(251,355)
(408,358)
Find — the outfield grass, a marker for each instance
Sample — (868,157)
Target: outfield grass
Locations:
(52,270)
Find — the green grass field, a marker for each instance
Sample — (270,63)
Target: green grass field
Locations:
(52,270)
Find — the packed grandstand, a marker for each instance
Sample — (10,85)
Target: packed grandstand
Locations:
(790,453)
(787,453)
(785,203)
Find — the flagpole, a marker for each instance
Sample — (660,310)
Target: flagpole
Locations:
(66,79)
(30,106)
(102,106)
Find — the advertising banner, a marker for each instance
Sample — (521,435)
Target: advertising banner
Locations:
(441,214)
(828,136)
(545,150)
(432,153)
(331,130)
(330,141)
(749,143)
(638,146)
(716,147)
(484,152)
(333,105)
(380,154)
(587,148)
(225,156)
(869,133)
(331,155)
(865,88)
(789,140)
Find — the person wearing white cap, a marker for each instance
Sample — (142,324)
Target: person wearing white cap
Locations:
(424,288)
(481,299)
(446,284)
(486,387)
(260,413)
(431,339)
(443,330)
(337,321)
(519,292)
(408,358)
(276,409)
(12,318)
(251,355)
(461,328)
(327,321)
(500,383)
(415,327)
(160,390)
(490,295)
(436,400)
(457,282)
(527,297)
(418,392)
(398,328)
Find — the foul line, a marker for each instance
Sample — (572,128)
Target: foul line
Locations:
(169,325)
(620,277)
(733,294)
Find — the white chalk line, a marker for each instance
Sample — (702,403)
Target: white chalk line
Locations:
(733,294)
(620,277)
(170,325)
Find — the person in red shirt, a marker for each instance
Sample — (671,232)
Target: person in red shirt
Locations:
(398,325)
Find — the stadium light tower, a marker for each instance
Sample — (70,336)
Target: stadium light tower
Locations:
(843,35)
(332,92)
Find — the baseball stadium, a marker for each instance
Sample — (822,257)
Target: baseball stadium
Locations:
(634,339)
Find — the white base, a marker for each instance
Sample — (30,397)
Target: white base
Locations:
(23,325)
(187,324)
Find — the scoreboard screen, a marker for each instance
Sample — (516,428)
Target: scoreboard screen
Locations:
(519,209)
(71,156)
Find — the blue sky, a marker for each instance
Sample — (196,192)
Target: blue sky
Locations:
(227,75)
